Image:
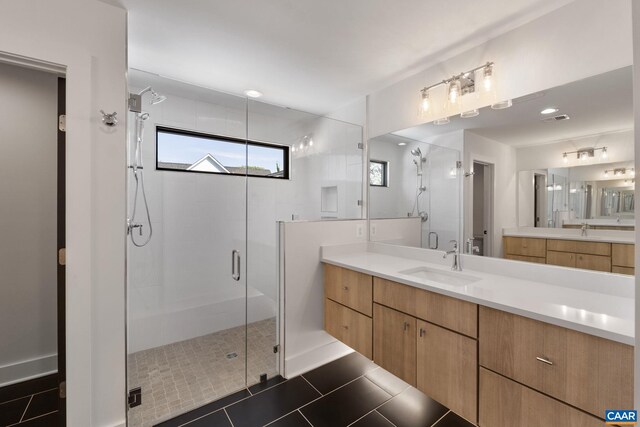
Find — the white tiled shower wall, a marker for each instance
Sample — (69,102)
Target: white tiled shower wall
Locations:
(180,284)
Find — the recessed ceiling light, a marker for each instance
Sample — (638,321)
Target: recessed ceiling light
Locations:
(402,143)
(252,93)
(549,110)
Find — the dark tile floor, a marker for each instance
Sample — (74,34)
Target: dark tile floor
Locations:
(33,403)
(351,391)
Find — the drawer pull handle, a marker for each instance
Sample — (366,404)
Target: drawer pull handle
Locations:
(346,288)
(543,360)
(406,325)
(346,326)
(422,332)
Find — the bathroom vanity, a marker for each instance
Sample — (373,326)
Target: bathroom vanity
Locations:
(496,349)
(608,251)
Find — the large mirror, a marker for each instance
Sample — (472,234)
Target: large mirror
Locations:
(555,161)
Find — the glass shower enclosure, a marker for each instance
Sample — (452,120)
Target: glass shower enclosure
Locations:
(218,172)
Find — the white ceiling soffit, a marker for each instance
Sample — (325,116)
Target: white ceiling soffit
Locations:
(596,105)
(307,54)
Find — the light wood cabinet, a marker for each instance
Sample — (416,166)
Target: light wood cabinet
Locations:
(394,342)
(525,246)
(534,259)
(587,372)
(452,313)
(563,259)
(349,288)
(505,403)
(588,255)
(447,368)
(623,255)
(352,328)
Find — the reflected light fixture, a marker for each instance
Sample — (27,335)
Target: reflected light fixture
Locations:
(620,172)
(454,91)
(470,113)
(442,121)
(424,101)
(487,76)
(252,93)
(585,153)
(501,105)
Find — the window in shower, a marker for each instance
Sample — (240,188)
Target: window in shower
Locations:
(186,151)
(378,173)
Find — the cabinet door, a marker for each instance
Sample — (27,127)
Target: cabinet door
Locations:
(525,246)
(593,262)
(623,270)
(563,259)
(623,255)
(447,368)
(349,288)
(352,328)
(505,403)
(394,342)
(534,259)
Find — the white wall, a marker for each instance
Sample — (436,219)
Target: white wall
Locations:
(88,38)
(503,157)
(28,287)
(581,39)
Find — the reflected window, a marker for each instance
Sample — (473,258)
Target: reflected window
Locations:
(185,151)
(378,173)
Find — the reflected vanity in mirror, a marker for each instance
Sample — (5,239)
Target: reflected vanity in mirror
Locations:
(549,180)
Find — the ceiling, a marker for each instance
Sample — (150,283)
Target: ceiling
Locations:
(596,105)
(308,54)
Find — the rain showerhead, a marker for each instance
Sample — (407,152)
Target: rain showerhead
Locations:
(416,152)
(156,98)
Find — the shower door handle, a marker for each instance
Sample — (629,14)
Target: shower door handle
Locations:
(235,265)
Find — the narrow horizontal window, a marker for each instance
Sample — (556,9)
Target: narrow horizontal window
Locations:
(187,151)
(378,173)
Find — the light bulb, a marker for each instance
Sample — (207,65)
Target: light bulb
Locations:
(424,101)
(565,158)
(632,172)
(454,91)
(583,156)
(310,142)
(604,154)
(487,77)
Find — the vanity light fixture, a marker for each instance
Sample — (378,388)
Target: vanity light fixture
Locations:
(456,88)
(549,110)
(502,104)
(620,172)
(585,153)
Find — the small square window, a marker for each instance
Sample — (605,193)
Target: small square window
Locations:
(378,173)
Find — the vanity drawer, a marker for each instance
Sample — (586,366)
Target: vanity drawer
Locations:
(505,403)
(588,372)
(593,262)
(525,246)
(350,288)
(537,260)
(623,255)
(623,270)
(352,328)
(451,313)
(581,247)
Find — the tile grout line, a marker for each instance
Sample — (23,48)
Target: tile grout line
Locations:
(440,419)
(34,418)
(228,417)
(28,395)
(376,410)
(309,382)
(25,409)
(381,405)
(305,418)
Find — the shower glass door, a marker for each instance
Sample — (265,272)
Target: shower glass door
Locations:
(187,287)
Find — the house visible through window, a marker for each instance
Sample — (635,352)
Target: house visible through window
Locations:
(186,151)
(378,173)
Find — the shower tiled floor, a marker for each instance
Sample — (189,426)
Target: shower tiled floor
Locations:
(178,377)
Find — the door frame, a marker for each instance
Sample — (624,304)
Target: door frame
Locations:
(489,187)
(61,246)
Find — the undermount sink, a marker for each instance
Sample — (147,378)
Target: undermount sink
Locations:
(452,278)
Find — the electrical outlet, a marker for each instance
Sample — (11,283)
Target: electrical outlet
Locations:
(373,230)
(360,230)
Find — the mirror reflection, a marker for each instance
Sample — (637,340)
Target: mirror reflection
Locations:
(558,165)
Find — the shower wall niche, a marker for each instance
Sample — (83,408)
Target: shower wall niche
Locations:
(194,333)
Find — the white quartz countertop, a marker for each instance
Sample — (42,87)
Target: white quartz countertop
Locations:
(604,314)
(608,236)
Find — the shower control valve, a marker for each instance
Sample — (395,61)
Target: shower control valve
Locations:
(109,119)
(134,225)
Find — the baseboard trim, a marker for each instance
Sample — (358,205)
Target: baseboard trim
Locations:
(28,369)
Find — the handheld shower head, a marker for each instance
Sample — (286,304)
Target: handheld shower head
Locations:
(416,152)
